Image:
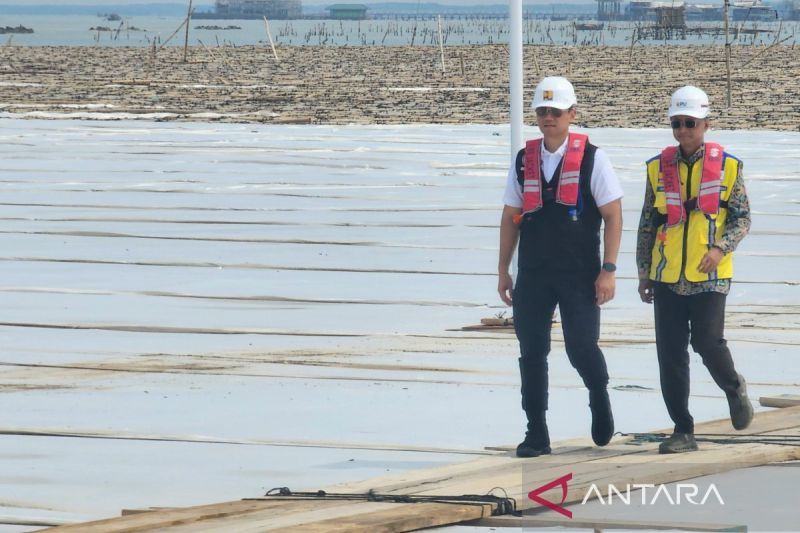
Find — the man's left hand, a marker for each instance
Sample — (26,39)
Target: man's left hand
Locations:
(604,287)
(710,261)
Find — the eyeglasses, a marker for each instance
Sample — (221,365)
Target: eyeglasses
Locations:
(689,123)
(554,112)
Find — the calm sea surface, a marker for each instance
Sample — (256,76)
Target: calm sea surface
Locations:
(143,31)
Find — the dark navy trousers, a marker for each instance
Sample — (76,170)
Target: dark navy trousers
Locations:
(536,294)
(699,319)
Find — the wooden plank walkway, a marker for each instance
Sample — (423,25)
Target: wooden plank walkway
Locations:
(623,461)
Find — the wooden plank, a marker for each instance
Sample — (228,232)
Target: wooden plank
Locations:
(295,520)
(11,521)
(783,400)
(404,482)
(192,515)
(366,517)
(57,432)
(641,468)
(711,459)
(619,463)
(645,467)
(405,517)
(407,481)
(484,327)
(599,523)
(499,470)
(786,418)
(126,512)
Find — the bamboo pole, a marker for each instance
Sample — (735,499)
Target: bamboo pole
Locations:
(727,54)
(185,21)
(759,54)
(441,44)
(186,39)
(213,56)
(269,36)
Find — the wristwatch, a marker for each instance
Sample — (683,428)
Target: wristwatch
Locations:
(609,267)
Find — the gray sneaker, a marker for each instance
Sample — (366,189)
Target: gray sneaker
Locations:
(678,443)
(740,406)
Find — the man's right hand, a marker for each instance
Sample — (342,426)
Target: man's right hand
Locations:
(505,286)
(646,290)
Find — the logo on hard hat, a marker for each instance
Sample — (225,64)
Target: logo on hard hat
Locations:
(547,95)
(681,103)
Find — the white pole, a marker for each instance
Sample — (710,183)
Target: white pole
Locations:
(515,76)
(515,89)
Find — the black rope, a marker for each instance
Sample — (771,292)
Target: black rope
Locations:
(740,435)
(503,504)
(744,440)
(717,438)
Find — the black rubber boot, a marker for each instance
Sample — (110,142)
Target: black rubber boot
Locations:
(678,443)
(740,406)
(602,418)
(537,439)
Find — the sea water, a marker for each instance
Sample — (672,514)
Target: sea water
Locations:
(79,30)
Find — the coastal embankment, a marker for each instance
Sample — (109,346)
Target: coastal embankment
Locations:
(617,86)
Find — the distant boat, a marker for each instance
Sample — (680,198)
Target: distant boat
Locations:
(215,27)
(17,29)
(589,26)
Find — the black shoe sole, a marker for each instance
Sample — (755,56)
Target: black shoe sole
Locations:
(683,450)
(533,452)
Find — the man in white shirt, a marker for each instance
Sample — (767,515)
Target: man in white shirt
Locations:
(559,191)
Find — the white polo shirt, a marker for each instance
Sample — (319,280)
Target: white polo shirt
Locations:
(604,185)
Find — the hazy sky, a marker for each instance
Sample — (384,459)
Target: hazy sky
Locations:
(211,2)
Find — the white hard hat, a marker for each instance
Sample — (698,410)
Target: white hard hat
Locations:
(689,101)
(554,91)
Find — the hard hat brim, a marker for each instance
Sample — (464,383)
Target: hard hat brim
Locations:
(687,112)
(554,104)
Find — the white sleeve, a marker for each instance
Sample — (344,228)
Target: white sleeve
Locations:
(513,194)
(605,185)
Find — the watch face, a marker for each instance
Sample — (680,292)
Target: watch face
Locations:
(609,267)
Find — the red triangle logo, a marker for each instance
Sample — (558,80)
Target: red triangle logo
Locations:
(562,482)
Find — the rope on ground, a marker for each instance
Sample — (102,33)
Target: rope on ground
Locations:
(501,504)
(716,438)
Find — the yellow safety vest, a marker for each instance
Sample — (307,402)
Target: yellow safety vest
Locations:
(680,248)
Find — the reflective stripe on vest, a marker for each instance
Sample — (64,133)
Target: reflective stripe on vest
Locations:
(568,182)
(707,198)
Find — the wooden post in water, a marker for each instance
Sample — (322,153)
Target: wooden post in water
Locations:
(725,7)
(269,36)
(186,40)
(441,44)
